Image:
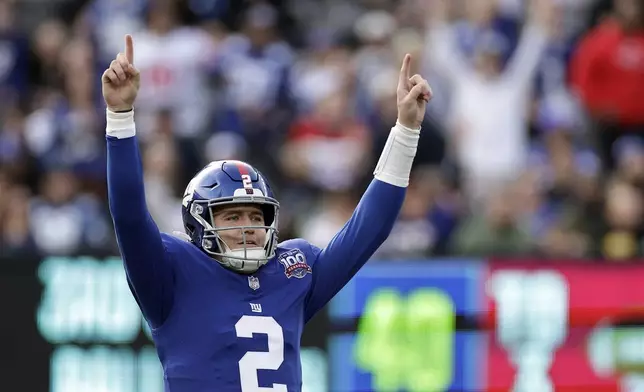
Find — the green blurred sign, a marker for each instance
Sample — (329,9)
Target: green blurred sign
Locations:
(407,342)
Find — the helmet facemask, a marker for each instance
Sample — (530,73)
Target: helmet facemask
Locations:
(249,257)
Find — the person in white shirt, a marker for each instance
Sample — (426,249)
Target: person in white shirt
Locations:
(489,104)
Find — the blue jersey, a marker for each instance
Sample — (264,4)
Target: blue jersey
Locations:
(218,330)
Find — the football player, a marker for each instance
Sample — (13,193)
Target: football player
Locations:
(227,305)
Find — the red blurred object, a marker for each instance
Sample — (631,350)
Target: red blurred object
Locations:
(601,296)
(606,71)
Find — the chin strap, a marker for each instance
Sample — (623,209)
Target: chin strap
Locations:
(182,236)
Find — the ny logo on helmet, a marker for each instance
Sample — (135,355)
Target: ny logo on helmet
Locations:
(190,190)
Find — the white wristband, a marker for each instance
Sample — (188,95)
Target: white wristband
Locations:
(394,165)
(120,125)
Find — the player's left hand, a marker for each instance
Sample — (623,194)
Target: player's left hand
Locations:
(413,94)
(121,80)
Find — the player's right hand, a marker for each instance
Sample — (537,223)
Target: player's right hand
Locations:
(121,80)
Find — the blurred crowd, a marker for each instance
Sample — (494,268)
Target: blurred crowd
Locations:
(532,147)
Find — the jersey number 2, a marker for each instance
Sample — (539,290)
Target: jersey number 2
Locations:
(253,361)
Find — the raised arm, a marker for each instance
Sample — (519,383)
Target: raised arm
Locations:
(443,51)
(147,263)
(378,209)
(522,66)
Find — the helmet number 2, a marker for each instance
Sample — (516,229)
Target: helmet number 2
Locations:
(246,181)
(253,361)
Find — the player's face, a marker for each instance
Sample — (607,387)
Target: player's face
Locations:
(240,215)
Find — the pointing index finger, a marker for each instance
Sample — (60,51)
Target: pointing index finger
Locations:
(404,70)
(129,49)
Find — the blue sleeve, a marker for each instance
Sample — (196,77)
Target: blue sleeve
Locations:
(147,262)
(352,246)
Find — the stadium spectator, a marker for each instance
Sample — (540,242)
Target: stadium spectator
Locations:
(607,74)
(532,146)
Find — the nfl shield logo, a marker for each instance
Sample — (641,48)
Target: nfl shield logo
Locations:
(253,282)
